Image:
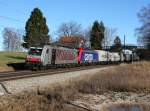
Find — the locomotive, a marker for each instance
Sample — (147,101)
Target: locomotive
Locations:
(50,56)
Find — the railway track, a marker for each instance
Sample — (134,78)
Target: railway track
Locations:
(6,76)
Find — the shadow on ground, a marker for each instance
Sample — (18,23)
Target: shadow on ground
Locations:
(17,66)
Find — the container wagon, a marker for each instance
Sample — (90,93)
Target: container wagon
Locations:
(87,57)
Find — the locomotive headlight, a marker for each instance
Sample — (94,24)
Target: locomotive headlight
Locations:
(38,59)
(28,58)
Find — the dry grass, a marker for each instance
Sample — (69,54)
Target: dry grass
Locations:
(135,78)
(47,99)
(128,78)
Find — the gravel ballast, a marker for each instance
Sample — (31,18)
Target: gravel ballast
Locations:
(17,86)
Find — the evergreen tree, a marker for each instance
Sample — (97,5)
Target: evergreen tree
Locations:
(36,30)
(117,44)
(97,35)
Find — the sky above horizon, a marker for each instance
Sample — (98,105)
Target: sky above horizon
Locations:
(120,14)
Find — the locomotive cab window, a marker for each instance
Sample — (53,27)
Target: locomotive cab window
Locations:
(36,52)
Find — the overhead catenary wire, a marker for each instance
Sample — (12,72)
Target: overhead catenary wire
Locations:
(10,18)
(2,3)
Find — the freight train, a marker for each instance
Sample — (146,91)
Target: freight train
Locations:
(50,56)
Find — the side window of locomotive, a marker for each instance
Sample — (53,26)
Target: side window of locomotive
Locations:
(47,51)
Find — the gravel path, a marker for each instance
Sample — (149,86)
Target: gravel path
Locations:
(16,86)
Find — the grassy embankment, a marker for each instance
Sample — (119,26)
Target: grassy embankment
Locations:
(8,58)
(124,78)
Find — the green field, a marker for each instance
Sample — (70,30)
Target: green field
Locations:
(11,57)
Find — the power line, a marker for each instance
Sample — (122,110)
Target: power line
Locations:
(2,3)
(12,19)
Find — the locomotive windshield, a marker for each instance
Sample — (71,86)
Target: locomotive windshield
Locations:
(36,52)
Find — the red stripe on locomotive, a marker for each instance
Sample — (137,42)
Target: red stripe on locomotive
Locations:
(33,59)
(80,50)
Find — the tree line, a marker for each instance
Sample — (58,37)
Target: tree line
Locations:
(143,32)
(37,32)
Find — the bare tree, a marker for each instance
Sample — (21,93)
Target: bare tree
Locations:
(87,33)
(11,39)
(110,34)
(70,29)
(87,36)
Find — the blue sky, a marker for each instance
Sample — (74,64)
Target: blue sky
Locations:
(120,14)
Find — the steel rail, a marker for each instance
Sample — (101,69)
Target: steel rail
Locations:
(27,74)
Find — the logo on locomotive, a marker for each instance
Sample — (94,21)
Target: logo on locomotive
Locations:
(88,57)
(65,55)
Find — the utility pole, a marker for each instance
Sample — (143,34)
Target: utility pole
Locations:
(124,42)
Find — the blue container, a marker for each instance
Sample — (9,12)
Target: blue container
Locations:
(89,56)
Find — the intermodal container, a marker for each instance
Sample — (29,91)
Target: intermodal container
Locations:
(88,56)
